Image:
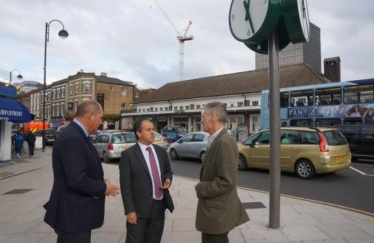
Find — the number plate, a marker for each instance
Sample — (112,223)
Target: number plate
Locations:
(340,159)
(124,148)
(158,141)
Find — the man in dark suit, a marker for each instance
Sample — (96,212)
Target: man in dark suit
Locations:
(145,176)
(219,209)
(76,204)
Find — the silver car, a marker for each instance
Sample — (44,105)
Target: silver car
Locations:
(109,145)
(192,145)
(161,140)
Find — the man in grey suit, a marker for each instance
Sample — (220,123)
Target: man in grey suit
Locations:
(145,176)
(219,209)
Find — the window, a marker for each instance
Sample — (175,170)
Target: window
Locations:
(186,107)
(161,109)
(240,103)
(58,93)
(156,109)
(329,96)
(137,95)
(63,92)
(166,108)
(123,106)
(111,88)
(198,107)
(225,104)
(70,89)
(175,108)
(54,94)
(358,94)
(301,98)
(86,87)
(284,97)
(255,103)
(180,107)
(124,91)
(77,88)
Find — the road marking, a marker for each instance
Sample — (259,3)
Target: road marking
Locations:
(362,173)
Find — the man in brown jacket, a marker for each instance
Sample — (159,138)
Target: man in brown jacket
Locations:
(219,209)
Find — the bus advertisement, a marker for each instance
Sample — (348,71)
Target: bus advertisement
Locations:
(329,104)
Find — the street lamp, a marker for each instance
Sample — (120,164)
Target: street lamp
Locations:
(10,75)
(63,34)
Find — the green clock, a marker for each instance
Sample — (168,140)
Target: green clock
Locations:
(296,17)
(252,21)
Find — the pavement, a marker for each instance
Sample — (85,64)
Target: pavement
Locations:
(25,185)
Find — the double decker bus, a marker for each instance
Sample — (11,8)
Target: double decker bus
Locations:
(328,104)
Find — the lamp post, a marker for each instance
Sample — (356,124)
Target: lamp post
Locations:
(63,34)
(10,75)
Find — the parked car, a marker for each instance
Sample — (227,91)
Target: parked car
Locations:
(161,140)
(109,145)
(305,151)
(360,139)
(50,135)
(173,133)
(192,145)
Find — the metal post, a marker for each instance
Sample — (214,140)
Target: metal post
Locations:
(274,210)
(44,83)
(10,78)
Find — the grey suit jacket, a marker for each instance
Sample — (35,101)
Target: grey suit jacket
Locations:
(219,209)
(136,182)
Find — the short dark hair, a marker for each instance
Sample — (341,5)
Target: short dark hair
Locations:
(137,126)
(88,106)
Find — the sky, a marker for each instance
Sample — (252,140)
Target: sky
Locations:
(133,40)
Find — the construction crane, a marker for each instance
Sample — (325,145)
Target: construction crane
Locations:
(181,39)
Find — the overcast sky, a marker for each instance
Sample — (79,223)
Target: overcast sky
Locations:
(132,40)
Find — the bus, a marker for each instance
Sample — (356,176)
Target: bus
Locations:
(328,104)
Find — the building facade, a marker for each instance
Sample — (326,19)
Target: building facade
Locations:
(309,52)
(181,103)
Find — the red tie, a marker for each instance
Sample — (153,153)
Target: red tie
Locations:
(155,174)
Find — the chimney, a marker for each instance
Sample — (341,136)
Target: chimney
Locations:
(332,68)
(81,71)
(103,74)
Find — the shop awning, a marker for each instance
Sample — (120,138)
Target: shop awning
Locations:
(13,111)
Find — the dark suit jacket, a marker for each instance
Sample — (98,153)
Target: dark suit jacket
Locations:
(78,195)
(136,183)
(219,209)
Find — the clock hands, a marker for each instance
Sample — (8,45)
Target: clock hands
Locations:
(247,15)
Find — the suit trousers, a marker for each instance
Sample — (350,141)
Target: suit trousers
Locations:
(73,237)
(148,230)
(212,238)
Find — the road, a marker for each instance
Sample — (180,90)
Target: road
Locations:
(351,188)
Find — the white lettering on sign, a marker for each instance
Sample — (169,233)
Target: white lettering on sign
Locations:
(10,113)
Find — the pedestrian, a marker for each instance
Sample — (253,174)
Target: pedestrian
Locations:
(30,139)
(18,145)
(219,209)
(145,176)
(77,202)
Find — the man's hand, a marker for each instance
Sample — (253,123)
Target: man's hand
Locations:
(131,218)
(111,189)
(166,185)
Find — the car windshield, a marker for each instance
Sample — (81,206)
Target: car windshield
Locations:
(123,138)
(334,137)
(182,130)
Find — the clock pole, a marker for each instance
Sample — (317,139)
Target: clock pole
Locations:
(275,153)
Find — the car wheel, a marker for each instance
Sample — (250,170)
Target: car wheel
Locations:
(305,169)
(173,154)
(242,163)
(105,158)
(202,155)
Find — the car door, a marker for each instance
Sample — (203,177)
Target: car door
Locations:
(198,145)
(184,146)
(260,151)
(97,144)
(367,133)
(289,141)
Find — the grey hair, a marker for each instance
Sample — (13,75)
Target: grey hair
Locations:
(219,109)
(88,106)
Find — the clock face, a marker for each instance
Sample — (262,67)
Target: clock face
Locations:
(297,20)
(253,20)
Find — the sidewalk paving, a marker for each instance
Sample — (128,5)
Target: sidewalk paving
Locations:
(26,183)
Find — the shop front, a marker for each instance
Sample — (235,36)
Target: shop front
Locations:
(11,111)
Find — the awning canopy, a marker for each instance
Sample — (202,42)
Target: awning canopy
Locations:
(13,111)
